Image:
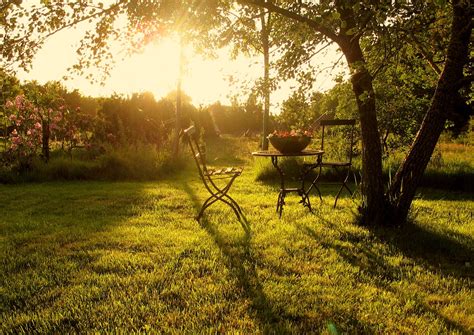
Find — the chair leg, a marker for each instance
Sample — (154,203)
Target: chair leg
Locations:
(314,184)
(209,201)
(236,205)
(216,197)
(344,184)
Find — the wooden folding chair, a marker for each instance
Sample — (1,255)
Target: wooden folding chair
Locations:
(343,168)
(209,177)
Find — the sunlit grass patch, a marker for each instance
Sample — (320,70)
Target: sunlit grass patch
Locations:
(85,257)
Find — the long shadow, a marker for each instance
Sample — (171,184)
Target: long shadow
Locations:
(440,194)
(446,254)
(240,260)
(427,248)
(56,230)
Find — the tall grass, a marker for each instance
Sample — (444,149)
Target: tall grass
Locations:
(132,162)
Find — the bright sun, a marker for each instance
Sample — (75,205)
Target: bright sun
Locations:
(156,70)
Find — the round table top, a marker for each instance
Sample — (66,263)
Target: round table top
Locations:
(275,153)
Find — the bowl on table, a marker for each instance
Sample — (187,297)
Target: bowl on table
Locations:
(289,144)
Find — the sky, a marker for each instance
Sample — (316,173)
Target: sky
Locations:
(156,70)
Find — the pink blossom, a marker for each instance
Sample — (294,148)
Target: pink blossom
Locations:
(29,132)
(37,125)
(12,117)
(19,100)
(9,104)
(14,146)
(16,140)
(14,132)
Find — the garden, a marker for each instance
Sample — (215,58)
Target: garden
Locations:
(128,256)
(101,198)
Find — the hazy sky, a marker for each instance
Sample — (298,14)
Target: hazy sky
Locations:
(156,70)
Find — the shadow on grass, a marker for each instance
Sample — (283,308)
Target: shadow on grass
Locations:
(443,253)
(428,249)
(242,264)
(454,194)
(52,233)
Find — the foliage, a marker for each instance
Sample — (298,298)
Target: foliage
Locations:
(25,137)
(236,119)
(133,162)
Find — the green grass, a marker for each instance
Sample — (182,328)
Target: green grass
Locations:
(84,257)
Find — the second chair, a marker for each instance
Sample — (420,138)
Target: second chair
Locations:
(343,167)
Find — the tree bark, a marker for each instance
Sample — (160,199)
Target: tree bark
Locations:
(372,208)
(407,179)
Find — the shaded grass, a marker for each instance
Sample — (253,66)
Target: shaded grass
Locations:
(129,257)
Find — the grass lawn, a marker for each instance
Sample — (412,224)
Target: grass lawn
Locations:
(129,257)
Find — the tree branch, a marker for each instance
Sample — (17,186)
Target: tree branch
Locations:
(40,41)
(294,16)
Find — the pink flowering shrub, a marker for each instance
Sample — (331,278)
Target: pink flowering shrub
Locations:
(25,138)
(34,127)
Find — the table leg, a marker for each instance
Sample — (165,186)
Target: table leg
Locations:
(303,193)
(282,194)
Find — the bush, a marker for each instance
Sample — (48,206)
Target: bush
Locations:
(137,162)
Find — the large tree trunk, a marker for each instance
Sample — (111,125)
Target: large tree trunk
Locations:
(372,183)
(407,179)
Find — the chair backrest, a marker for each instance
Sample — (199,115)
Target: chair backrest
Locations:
(197,151)
(340,123)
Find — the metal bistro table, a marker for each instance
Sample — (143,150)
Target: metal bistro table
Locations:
(274,155)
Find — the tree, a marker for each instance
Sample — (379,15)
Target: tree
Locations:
(346,26)
(251,32)
(48,100)
(403,188)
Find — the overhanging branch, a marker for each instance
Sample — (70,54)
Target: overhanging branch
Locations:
(294,16)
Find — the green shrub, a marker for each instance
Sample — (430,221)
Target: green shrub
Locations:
(134,162)
(63,168)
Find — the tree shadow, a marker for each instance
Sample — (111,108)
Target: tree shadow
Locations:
(428,193)
(428,249)
(242,263)
(60,231)
(446,253)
